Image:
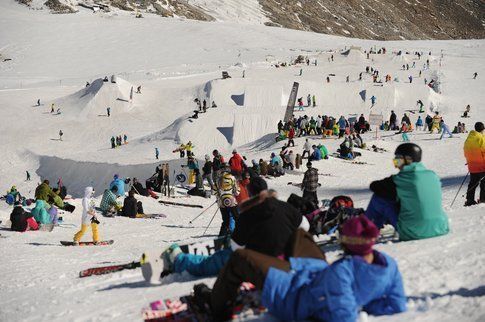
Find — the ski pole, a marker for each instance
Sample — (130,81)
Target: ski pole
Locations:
(459,189)
(203,211)
(210,222)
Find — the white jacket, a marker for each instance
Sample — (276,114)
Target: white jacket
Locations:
(88,206)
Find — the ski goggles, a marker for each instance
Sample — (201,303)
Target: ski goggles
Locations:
(398,161)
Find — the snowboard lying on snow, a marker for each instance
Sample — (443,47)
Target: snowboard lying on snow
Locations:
(90,243)
(172,203)
(208,247)
(186,308)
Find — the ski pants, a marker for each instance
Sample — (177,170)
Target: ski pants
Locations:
(382,211)
(202,265)
(304,153)
(247,265)
(208,177)
(405,137)
(84,228)
(435,126)
(228,220)
(473,184)
(445,131)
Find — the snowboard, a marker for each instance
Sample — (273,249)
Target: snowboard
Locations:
(108,269)
(186,308)
(151,216)
(90,243)
(172,203)
(152,262)
(46,227)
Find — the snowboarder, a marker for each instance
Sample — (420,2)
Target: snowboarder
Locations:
(347,79)
(474,149)
(88,217)
(421,106)
(411,200)
(226,195)
(60,135)
(373,100)
(125,139)
(475,74)
(467,110)
(38,102)
(138,89)
(156,153)
(108,111)
(445,130)
(28,175)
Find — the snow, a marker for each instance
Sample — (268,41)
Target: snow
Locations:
(175,61)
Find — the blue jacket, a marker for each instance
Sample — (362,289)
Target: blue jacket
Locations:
(317,154)
(334,293)
(120,183)
(419,122)
(342,123)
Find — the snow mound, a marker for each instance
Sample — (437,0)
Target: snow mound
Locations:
(95,98)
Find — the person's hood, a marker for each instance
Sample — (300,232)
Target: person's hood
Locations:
(88,191)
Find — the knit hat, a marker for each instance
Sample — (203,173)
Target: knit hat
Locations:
(358,235)
(479,127)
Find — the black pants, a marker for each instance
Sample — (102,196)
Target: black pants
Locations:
(304,153)
(472,186)
(291,142)
(311,196)
(247,265)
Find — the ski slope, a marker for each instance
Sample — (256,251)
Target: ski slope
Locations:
(52,58)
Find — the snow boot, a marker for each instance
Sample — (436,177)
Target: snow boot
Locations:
(154,263)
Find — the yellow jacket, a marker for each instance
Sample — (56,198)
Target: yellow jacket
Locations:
(474,150)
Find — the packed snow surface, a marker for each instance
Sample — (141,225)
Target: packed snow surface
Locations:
(51,57)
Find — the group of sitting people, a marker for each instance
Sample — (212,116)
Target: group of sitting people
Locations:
(271,246)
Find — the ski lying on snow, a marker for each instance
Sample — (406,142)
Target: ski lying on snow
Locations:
(100,243)
(172,203)
(108,269)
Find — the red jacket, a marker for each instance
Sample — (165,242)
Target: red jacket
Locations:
(236,163)
(243,194)
(291,133)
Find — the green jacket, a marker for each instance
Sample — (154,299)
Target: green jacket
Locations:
(421,213)
(43,192)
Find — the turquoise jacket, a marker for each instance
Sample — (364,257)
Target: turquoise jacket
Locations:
(421,213)
(40,213)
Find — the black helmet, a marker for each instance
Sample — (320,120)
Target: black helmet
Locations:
(410,152)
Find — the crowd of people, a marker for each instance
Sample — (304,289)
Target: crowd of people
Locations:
(119,140)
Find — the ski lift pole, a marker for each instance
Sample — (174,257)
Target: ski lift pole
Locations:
(459,189)
(202,212)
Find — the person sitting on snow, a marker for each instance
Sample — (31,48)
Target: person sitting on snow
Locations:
(265,224)
(411,200)
(198,190)
(120,184)
(40,212)
(316,154)
(22,220)
(109,206)
(307,287)
(131,207)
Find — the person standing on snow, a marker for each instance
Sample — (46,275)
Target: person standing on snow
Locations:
(474,149)
(228,189)
(60,135)
(309,184)
(419,123)
(217,162)
(411,200)
(88,217)
(393,121)
(236,164)
(157,153)
(314,100)
(436,122)
(207,172)
(108,111)
(309,100)
(113,145)
(306,149)
(291,136)
(373,100)
(28,175)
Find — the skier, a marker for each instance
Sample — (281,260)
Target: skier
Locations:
(88,217)
(306,287)
(28,175)
(38,102)
(474,149)
(156,153)
(373,100)
(108,111)
(309,184)
(138,89)
(444,130)
(227,192)
(60,135)
(411,200)
(52,108)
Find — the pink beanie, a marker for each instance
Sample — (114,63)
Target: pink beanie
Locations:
(358,235)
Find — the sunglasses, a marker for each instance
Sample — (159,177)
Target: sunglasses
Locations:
(398,161)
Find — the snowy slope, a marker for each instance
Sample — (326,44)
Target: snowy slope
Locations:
(176,61)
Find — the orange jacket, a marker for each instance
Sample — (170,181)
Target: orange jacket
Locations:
(474,150)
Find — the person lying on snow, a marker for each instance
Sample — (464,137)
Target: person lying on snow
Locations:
(265,224)
(307,287)
(22,220)
(411,200)
(131,207)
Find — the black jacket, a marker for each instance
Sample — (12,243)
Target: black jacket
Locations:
(130,208)
(385,188)
(18,217)
(266,225)
(207,168)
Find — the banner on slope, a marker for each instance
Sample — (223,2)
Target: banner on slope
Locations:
(291,102)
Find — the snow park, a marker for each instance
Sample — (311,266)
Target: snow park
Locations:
(222,160)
